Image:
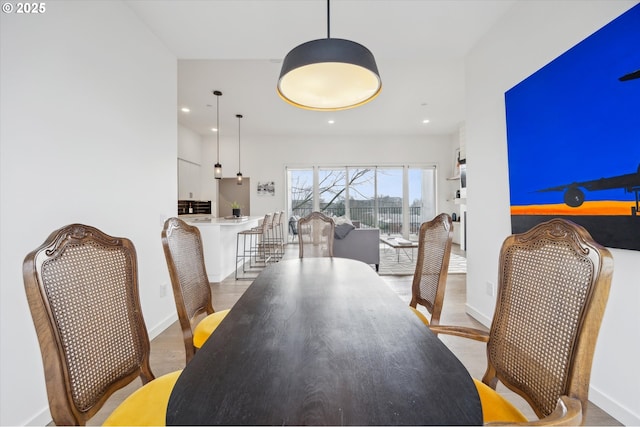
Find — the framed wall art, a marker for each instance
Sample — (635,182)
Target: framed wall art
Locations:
(266,188)
(573,137)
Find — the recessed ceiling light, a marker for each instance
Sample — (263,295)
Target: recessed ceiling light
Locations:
(214,130)
(426,121)
(331,122)
(185,110)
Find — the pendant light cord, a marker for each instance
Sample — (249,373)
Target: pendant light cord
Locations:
(239,116)
(218,126)
(328,20)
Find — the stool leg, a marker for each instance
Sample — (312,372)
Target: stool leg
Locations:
(237,250)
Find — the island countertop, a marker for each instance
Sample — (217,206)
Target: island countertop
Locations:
(199,219)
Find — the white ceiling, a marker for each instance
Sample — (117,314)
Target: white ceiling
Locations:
(236,46)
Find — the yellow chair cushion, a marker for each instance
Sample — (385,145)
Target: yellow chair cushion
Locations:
(420,315)
(206,326)
(147,406)
(496,407)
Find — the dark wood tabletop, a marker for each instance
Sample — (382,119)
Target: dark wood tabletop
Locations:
(323,341)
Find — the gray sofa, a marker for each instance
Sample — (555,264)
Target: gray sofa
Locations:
(362,244)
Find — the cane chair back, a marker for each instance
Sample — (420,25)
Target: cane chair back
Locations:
(554,284)
(183,250)
(82,290)
(432,265)
(315,235)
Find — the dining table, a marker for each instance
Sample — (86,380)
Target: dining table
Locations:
(323,341)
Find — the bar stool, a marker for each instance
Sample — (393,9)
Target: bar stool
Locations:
(280,233)
(268,240)
(253,253)
(276,243)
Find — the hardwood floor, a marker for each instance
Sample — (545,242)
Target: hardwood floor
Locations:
(167,351)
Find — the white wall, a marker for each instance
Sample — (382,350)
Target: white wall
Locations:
(189,168)
(189,145)
(88,112)
(529,36)
(264,159)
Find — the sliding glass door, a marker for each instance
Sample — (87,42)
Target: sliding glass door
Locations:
(300,191)
(395,199)
(331,188)
(421,204)
(389,200)
(362,195)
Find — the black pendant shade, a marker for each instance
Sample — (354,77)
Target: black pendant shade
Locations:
(329,74)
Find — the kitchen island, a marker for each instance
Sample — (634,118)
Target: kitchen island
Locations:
(219,241)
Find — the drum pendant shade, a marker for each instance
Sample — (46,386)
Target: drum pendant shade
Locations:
(329,75)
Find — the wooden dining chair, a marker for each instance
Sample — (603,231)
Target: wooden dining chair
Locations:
(184,253)
(315,235)
(430,276)
(82,290)
(553,288)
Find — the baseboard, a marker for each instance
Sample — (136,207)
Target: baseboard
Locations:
(613,408)
(160,327)
(606,403)
(42,418)
(477,315)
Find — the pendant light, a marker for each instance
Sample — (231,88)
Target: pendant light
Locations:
(217,168)
(329,74)
(239,174)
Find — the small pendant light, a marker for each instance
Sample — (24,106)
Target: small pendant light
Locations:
(217,168)
(239,174)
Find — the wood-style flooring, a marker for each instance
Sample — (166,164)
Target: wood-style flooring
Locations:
(167,351)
